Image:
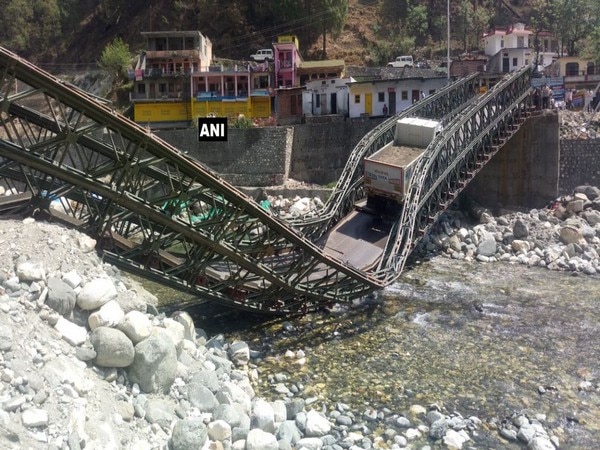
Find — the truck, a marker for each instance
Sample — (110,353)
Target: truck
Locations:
(402,61)
(388,171)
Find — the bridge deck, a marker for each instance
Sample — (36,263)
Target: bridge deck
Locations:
(358,239)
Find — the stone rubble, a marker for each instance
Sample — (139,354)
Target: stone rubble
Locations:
(579,125)
(87,361)
(565,236)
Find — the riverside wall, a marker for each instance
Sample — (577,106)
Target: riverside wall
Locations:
(525,172)
(533,168)
(579,164)
(313,152)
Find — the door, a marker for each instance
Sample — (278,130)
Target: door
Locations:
(333,108)
(505,65)
(369,104)
(416,95)
(391,103)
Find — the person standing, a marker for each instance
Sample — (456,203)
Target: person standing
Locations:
(569,99)
(545,96)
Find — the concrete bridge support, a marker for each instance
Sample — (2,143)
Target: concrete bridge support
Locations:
(525,172)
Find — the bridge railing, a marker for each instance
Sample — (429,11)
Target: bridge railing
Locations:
(442,105)
(452,160)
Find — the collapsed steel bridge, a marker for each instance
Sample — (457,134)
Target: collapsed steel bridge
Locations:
(67,156)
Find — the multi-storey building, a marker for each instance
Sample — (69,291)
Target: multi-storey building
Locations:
(510,48)
(175,81)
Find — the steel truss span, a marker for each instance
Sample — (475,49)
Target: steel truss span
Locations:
(67,156)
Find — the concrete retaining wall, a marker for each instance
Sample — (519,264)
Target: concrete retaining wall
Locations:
(250,157)
(579,164)
(525,172)
(313,153)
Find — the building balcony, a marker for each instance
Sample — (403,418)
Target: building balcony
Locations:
(158,73)
(192,54)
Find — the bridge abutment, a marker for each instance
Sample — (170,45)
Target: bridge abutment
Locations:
(525,172)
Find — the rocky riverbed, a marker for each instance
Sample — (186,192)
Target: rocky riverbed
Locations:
(87,360)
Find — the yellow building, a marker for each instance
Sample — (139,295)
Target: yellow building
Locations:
(174,82)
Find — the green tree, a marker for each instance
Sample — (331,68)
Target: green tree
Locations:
(45,35)
(16,17)
(334,19)
(470,23)
(572,21)
(116,59)
(417,23)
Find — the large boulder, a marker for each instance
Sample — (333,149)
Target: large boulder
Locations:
(96,293)
(113,348)
(154,365)
(61,297)
(189,434)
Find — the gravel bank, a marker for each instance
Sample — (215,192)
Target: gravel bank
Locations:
(87,360)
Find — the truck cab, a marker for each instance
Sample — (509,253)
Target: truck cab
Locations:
(402,61)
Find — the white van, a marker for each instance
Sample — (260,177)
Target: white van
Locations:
(402,61)
(262,55)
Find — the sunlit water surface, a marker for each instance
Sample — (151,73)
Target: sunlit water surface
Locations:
(478,339)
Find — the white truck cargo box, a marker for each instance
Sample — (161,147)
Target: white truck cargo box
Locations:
(416,132)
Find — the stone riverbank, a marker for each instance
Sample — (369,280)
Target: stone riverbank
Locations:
(88,361)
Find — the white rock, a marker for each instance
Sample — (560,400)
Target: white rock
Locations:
(259,440)
(109,315)
(219,430)
(455,439)
(34,417)
(86,243)
(279,411)
(176,332)
(188,324)
(311,443)
(72,278)
(263,416)
(70,332)
(96,293)
(29,271)
(317,424)
(136,326)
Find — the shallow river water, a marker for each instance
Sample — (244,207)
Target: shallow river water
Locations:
(484,340)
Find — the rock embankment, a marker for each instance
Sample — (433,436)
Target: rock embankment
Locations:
(87,360)
(564,236)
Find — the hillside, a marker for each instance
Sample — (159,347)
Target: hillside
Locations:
(238,29)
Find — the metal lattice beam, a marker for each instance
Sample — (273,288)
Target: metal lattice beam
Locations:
(72,158)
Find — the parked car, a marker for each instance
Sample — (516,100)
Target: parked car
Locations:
(402,61)
(262,55)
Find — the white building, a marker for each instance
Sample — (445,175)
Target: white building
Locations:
(390,96)
(324,97)
(513,47)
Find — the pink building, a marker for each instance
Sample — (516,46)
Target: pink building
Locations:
(287,61)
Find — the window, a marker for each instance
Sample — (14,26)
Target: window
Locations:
(357,98)
(502,43)
(591,68)
(515,62)
(520,41)
(404,95)
(431,91)
(381,96)
(317,101)
(141,88)
(571,69)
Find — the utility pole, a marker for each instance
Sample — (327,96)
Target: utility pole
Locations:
(448,49)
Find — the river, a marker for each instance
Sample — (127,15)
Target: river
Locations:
(484,340)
